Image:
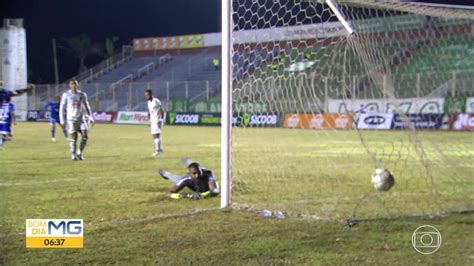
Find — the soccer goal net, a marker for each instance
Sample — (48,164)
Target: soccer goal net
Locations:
(316,110)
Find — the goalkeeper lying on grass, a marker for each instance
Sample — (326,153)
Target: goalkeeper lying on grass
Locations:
(198,179)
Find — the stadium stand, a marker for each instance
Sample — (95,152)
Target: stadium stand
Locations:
(285,69)
(410,58)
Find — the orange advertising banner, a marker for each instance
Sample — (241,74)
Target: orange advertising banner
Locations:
(172,42)
(318,121)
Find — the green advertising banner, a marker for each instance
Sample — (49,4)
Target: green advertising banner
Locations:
(454,105)
(207,107)
(250,107)
(178,105)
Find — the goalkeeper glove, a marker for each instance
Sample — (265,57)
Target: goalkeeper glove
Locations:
(179,195)
(195,195)
(206,195)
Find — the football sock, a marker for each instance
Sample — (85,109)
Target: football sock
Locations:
(187,161)
(72,146)
(53,132)
(82,145)
(170,176)
(157,144)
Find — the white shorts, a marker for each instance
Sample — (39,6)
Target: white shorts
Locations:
(76,126)
(155,129)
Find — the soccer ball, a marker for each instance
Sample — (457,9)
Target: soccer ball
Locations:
(382,179)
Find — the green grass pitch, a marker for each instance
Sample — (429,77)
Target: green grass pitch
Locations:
(128,220)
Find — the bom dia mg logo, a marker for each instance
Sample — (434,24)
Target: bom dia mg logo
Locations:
(54,233)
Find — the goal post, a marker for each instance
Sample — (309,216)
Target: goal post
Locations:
(318,94)
(226,115)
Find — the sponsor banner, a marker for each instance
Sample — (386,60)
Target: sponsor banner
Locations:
(171,42)
(21,115)
(375,121)
(462,121)
(297,32)
(406,106)
(204,119)
(445,122)
(178,105)
(256,120)
(318,121)
(32,115)
(319,30)
(419,121)
(44,116)
(388,24)
(132,118)
(208,107)
(250,107)
(470,105)
(454,105)
(182,118)
(104,117)
(212,119)
(309,31)
(191,41)
(41,116)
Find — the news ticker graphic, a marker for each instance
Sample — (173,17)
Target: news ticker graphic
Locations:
(54,233)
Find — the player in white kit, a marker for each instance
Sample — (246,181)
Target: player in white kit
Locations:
(78,117)
(156,115)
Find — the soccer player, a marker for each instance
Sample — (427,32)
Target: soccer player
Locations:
(53,105)
(200,180)
(75,102)
(7,117)
(362,110)
(7,94)
(155,115)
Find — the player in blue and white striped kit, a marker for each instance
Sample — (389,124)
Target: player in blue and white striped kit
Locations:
(7,117)
(7,110)
(53,105)
(6,93)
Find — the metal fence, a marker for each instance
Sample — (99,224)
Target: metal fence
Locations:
(129,95)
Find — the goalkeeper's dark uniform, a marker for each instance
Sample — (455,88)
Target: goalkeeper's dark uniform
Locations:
(199,185)
(198,179)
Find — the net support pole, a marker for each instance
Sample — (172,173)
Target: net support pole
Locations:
(226,104)
(339,16)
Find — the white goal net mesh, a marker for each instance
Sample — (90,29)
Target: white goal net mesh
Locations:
(307,98)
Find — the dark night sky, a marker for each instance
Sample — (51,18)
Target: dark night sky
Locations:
(126,19)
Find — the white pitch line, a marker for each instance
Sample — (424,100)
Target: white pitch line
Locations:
(45,181)
(60,180)
(161,216)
